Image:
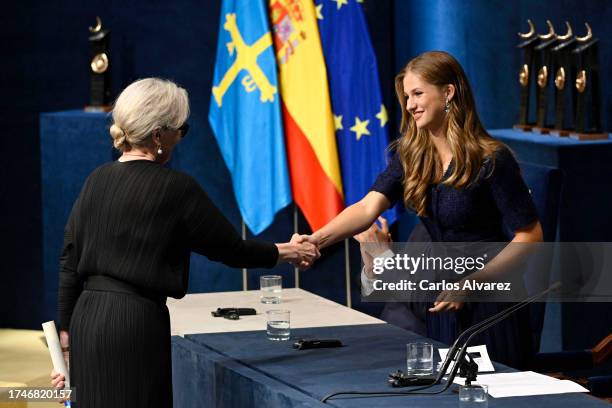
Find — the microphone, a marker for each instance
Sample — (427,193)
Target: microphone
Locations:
(455,350)
(479,328)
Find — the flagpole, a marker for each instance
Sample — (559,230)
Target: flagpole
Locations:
(347,274)
(244,270)
(296,271)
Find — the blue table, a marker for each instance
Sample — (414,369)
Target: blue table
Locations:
(244,369)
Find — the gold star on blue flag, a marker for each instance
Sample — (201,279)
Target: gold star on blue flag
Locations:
(356,96)
(360,128)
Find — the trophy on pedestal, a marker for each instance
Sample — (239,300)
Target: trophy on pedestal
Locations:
(544,67)
(99,42)
(530,40)
(587,89)
(562,68)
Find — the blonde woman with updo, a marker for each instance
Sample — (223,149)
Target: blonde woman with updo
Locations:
(464,185)
(127,246)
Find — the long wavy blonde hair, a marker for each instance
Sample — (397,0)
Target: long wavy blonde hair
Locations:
(469,143)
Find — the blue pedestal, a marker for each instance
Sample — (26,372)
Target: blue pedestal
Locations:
(585,205)
(72,144)
(586,199)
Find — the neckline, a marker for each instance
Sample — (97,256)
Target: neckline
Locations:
(135,160)
(446,174)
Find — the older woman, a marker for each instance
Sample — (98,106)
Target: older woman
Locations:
(126,247)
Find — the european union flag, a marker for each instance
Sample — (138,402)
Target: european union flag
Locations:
(245,112)
(359,114)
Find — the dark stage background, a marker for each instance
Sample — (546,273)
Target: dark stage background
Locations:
(45,63)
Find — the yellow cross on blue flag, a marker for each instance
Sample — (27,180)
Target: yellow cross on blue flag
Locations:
(245,113)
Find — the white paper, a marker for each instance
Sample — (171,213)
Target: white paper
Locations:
(55,350)
(523,383)
(484,362)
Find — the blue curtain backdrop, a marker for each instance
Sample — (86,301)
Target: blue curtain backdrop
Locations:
(45,68)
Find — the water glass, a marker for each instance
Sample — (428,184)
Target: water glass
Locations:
(279,327)
(271,287)
(419,358)
(473,396)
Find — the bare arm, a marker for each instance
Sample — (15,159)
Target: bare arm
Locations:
(502,262)
(512,254)
(531,233)
(353,220)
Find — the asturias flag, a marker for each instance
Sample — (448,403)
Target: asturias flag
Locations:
(360,116)
(245,112)
(309,125)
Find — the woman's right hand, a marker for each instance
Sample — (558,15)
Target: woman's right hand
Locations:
(58,380)
(298,252)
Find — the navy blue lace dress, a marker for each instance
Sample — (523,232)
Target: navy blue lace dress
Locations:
(496,202)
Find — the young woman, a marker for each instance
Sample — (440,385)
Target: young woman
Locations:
(463,184)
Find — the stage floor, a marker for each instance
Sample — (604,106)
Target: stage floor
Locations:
(24,362)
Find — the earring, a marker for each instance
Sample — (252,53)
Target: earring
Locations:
(159,150)
(447,106)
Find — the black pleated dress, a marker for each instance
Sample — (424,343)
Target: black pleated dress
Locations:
(496,202)
(127,246)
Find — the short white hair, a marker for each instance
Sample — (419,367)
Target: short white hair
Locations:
(146,105)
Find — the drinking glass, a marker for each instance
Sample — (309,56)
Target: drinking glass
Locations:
(279,327)
(271,288)
(419,358)
(473,396)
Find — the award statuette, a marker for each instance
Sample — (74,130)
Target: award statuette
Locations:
(530,40)
(544,67)
(562,68)
(99,42)
(587,89)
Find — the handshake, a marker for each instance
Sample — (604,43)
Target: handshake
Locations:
(301,251)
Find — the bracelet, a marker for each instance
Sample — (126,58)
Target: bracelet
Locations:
(66,349)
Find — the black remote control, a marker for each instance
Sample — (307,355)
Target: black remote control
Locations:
(398,380)
(233,313)
(316,343)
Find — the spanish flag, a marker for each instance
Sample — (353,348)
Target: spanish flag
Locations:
(309,125)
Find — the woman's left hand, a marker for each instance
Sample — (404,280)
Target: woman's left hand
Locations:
(445,307)
(375,240)
(448,301)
